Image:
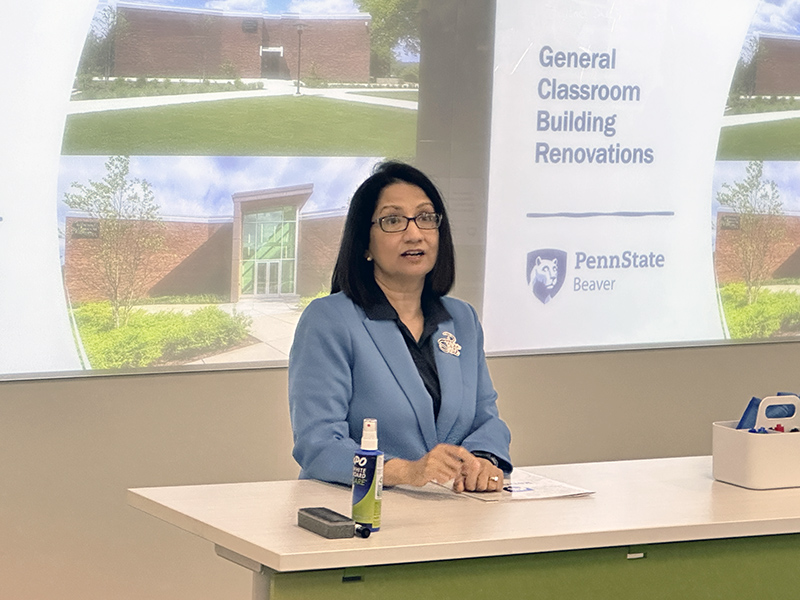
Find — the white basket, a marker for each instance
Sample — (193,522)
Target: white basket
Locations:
(759,461)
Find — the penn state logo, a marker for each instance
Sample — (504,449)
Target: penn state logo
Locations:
(546,272)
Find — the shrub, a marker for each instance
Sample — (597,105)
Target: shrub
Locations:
(773,314)
(185,299)
(306,300)
(758,104)
(204,329)
(228,69)
(91,88)
(155,338)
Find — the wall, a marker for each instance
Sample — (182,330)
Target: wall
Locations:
(70,448)
(777,69)
(782,259)
(331,49)
(318,241)
(170,44)
(191,258)
(167,43)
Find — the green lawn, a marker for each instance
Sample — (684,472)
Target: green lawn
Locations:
(412,95)
(278,126)
(778,140)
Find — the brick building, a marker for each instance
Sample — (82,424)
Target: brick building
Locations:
(159,41)
(783,259)
(777,71)
(270,248)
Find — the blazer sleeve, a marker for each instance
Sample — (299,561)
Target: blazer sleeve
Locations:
(488,433)
(320,389)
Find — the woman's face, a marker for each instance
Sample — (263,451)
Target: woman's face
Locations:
(402,259)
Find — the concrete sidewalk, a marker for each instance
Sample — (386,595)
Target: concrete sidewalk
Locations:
(748,119)
(271,88)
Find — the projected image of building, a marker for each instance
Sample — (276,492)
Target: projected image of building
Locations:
(173,42)
(270,248)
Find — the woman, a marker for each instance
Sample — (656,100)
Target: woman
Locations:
(388,344)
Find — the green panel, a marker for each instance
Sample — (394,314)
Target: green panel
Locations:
(248,241)
(761,567)
(266,234)
(288,240)
(268,252)
(247,277)
(287,277)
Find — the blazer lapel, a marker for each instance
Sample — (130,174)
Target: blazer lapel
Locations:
(449,367)
(390,344)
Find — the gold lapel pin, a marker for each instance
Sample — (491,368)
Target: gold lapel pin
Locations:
(447,344)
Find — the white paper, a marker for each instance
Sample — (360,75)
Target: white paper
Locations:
(523,485)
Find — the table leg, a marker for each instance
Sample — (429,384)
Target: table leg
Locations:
(261,574)
(261,584)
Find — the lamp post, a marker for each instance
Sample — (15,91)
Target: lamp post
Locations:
(300,28)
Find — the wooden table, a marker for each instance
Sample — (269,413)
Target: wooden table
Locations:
(693,536)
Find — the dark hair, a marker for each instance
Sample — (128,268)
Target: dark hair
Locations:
(353,273)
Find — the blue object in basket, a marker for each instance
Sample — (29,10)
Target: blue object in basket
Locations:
(776,411)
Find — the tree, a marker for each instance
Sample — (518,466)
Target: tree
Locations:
(130,232)
(108,27)
(744,76)
(759,208)
(395,23)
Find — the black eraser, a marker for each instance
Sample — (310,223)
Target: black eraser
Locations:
(326,522)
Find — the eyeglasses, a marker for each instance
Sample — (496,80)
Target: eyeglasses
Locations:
(398,223)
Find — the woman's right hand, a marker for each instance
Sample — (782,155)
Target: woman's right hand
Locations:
(442,464)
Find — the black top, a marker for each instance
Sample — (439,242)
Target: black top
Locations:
(421,351)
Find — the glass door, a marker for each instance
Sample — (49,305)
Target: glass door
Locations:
(268,277)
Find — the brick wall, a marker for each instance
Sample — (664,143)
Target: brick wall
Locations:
(164,43)
(161,43)
(334,50)
(316,253)
(194,259)
(783,259)
(778,67)
(240,47)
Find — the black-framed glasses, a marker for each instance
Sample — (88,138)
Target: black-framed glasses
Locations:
(398,223)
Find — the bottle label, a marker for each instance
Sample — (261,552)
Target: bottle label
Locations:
(367,488)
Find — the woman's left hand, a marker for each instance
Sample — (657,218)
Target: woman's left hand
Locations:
(478,475)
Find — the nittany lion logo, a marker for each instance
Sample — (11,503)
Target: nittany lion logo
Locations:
(546,271)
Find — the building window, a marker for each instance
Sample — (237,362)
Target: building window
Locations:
(250,26)
(85,230)
(269,244)
(729,222)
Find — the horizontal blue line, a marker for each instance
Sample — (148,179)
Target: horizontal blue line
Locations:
(583,215)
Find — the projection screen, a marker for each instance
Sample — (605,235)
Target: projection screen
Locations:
(177,172)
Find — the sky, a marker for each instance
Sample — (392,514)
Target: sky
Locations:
(786,174)
(202,186)
(777,17)
(266,6)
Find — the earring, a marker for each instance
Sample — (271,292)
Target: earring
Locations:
(369,259)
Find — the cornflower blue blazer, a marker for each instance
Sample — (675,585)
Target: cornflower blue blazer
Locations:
(345,367)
